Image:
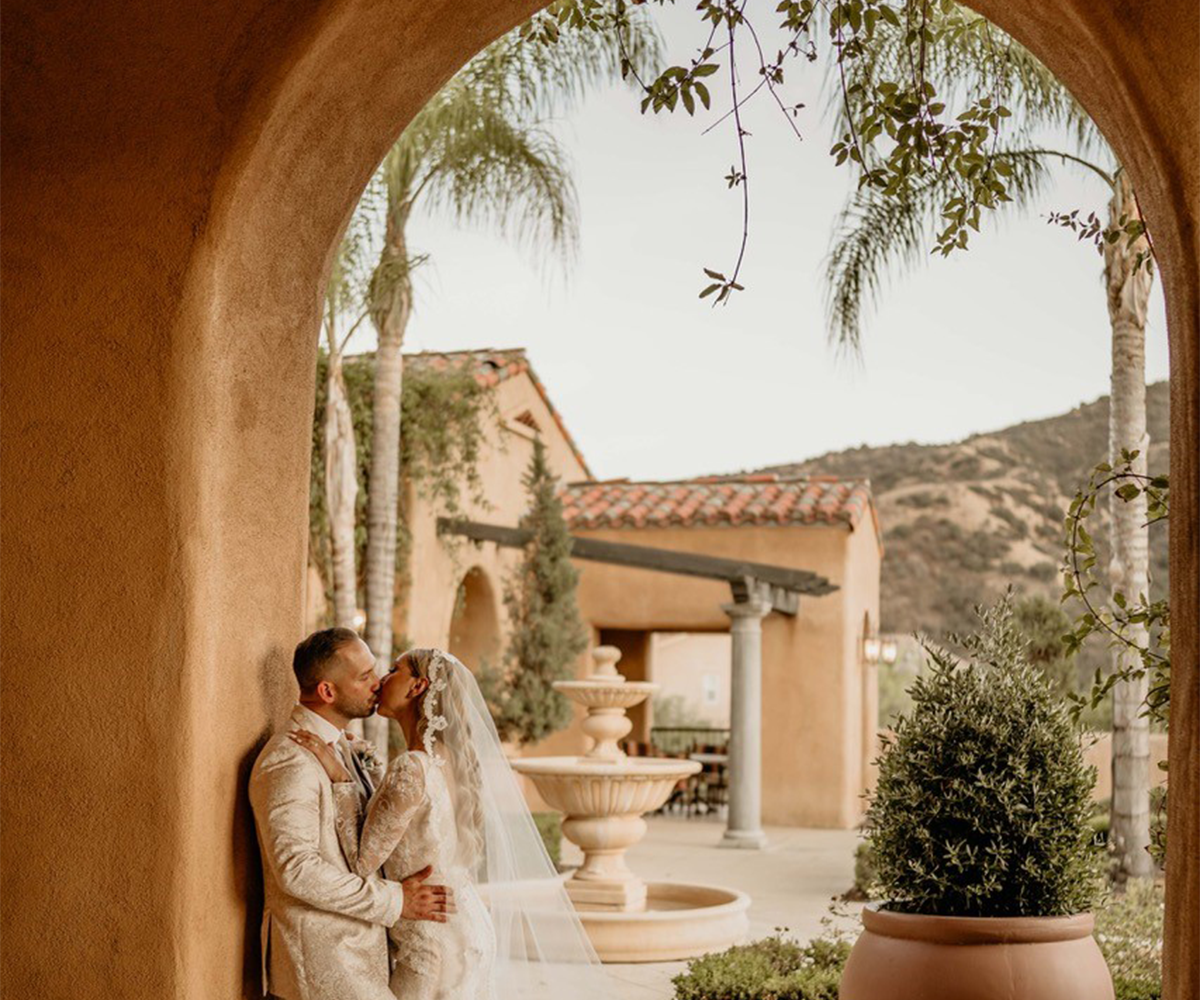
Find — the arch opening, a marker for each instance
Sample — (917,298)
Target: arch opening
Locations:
(475,631)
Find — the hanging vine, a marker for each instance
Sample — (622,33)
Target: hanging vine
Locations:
(1122,614)
(445,416)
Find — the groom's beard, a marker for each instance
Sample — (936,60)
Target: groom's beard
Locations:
(353,709)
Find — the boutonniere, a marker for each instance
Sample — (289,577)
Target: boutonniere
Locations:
(364,750)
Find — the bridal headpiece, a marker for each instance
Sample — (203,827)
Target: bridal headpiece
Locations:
(432,707)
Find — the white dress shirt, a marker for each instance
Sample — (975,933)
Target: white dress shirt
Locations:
(339,739)
(330,735)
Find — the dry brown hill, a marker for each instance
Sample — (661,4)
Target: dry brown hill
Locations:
(961,521)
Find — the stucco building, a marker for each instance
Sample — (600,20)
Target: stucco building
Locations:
(819,696)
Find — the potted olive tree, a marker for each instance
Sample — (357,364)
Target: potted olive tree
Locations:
(979,830)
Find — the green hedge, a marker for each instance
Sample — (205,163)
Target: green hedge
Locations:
(775,968)
(864,870)
(549,825)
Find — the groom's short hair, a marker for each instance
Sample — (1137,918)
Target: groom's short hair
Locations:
(317,654)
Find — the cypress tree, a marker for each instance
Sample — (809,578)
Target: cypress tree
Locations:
(547,634)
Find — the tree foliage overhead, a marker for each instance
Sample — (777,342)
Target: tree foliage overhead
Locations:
(924,92)
(480,152)
(1013,107)
(547,634)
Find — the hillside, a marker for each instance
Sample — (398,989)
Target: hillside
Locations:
(961,521)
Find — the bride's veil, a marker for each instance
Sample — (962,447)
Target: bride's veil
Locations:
(542,950)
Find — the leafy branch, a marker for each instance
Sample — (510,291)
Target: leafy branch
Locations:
(1093,230)
(898,134)
(1124,616)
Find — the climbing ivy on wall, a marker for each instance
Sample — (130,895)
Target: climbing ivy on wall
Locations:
(444,421)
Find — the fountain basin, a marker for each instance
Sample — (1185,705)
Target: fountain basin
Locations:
(578,786)
(605,693)
(681,921)
(603,803)
(603,795)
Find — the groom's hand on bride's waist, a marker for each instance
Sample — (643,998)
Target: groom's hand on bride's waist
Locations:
(426,902)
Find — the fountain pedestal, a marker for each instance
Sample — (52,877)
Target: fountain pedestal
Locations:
(604,795)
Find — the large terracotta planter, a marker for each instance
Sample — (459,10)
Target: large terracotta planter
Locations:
(906,956)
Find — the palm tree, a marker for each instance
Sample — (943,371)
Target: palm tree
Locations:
(479,152)
(879,232)
(347,284)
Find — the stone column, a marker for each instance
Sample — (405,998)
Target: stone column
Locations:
(745,712)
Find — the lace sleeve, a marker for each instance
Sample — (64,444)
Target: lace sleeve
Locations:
(388,815)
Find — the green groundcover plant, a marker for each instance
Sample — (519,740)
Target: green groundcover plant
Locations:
(1129,930)
(775,968)
(983,800)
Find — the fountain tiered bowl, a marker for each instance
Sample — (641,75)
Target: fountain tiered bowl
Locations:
(603,796)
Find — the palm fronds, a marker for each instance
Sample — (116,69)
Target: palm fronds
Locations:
(965,60)
(480,152)
(877,235)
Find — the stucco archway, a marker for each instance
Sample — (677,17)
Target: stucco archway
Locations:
(475,624)
(175,180)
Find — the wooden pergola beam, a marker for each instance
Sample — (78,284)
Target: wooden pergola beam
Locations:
(781,585)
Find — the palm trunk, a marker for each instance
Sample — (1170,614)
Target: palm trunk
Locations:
(391,315)
(1128,295)
(341,490)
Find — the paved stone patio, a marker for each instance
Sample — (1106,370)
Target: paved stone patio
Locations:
(791,883)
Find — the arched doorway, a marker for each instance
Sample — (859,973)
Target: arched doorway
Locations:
(475,624)
(158,387)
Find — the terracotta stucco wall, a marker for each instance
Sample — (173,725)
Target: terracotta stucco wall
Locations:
(435,568)
(679,657)
(174,180)
(812,685)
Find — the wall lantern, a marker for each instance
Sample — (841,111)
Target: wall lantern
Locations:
(876,650)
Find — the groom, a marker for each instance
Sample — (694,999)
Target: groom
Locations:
(324,933)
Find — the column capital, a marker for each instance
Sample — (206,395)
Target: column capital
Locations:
(756,607)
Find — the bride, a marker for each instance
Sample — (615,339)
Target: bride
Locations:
(453,803)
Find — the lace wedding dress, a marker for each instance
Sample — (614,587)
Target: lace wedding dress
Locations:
(410,823)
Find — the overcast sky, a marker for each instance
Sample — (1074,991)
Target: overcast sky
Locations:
(655,384)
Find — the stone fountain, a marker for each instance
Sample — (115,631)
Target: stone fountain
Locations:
(603,795)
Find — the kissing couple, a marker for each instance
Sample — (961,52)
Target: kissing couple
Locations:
(426,880)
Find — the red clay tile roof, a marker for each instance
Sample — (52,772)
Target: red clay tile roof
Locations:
(759,499)
(491,367)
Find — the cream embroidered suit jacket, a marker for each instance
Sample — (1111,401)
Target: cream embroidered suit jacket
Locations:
(324,928)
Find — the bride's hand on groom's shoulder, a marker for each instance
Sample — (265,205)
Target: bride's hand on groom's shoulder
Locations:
(324,753)
(426,902)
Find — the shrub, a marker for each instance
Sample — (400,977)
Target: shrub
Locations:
(983,798)
(549,825)
(1042,624)
(865,876)
(775,968)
